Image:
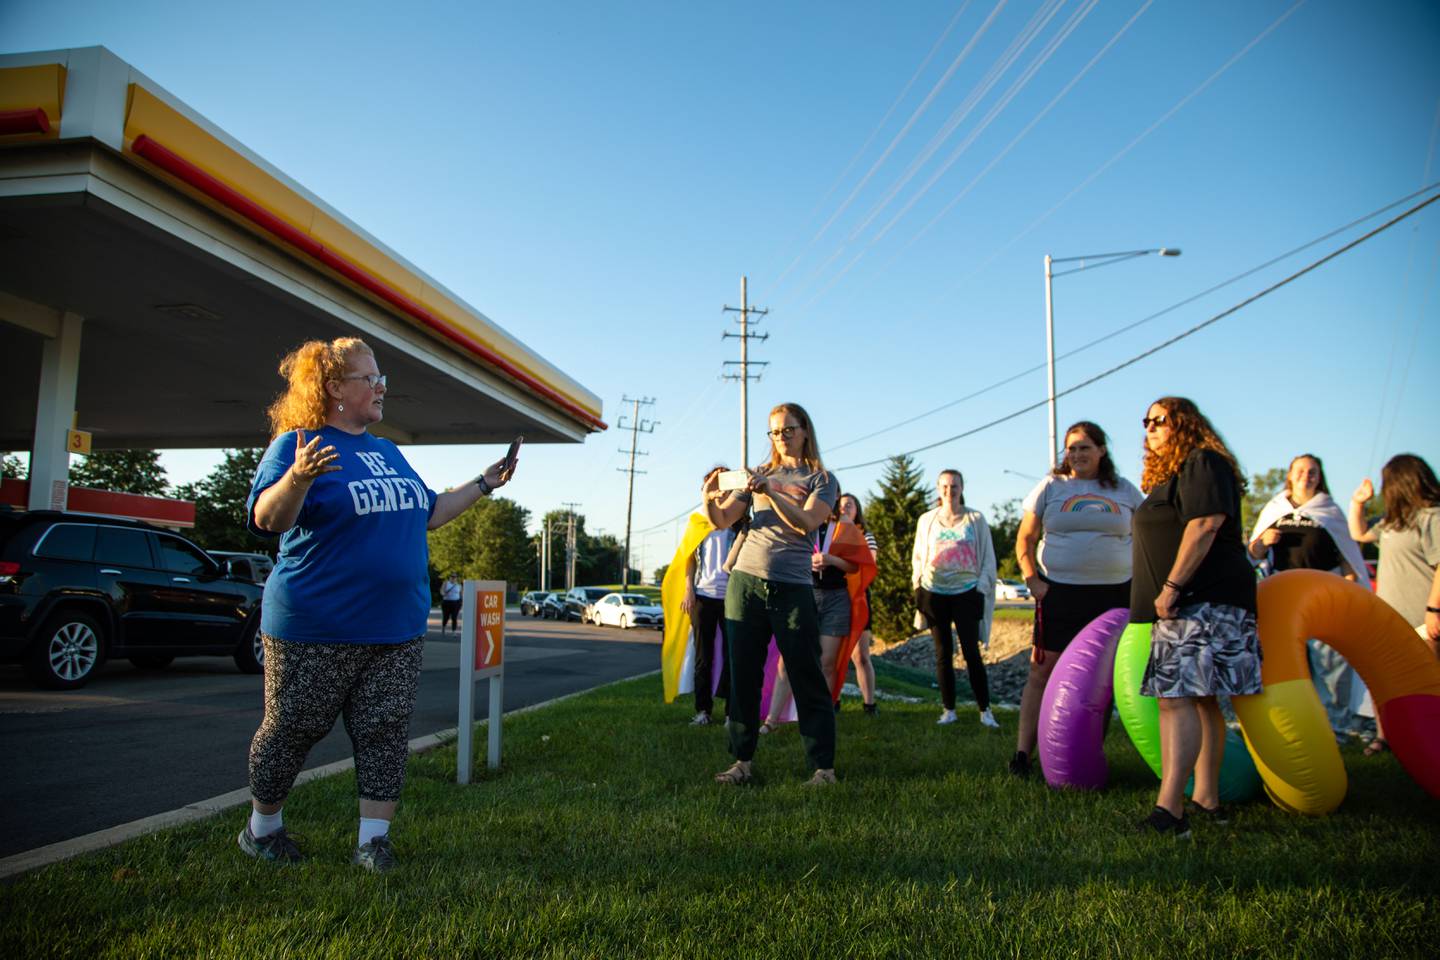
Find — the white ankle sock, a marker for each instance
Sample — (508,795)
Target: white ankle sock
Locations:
(264,824)
(370,829)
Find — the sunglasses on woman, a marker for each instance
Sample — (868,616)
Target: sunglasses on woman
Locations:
(1160,421)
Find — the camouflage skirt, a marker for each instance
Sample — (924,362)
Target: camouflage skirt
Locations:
(1209,649)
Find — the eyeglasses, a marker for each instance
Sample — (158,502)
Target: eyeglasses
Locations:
(1160,421)
(785,432)
(373,379)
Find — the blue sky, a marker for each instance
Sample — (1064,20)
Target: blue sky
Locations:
(597,177)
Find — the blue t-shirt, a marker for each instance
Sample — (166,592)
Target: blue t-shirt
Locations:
(355,567)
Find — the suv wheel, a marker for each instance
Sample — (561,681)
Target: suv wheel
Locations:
(250,655)
(68,650)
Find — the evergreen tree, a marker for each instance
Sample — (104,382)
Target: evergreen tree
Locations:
(12,466)
(1004,520)
(124,471)
(220,504)
(891,515)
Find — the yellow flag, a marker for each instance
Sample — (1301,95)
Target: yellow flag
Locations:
(672,594)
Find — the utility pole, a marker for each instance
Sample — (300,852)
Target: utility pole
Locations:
(636,427)
(744,363)
(570,547)
(545,553)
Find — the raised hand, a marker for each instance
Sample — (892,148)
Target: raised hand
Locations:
(311,460)
(496,476)
(1364,492)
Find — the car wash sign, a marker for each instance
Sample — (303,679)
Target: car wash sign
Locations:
(482,656)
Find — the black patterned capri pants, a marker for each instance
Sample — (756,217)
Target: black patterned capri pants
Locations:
(307,685)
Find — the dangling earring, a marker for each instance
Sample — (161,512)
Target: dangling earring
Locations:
(340,407)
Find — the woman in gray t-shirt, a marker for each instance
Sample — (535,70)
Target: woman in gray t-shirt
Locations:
(770,594)
(1409,539)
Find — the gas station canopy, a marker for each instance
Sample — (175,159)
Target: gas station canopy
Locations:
(153,272)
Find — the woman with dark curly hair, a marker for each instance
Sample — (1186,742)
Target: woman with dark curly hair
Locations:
(1193,581)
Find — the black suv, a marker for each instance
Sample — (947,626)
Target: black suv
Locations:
(77,589)
(579,601)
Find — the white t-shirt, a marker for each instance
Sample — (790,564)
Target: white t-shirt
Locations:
(710,576)
(1086,529)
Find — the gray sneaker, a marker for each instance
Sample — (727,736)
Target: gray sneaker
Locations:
(278,847)
(377,856)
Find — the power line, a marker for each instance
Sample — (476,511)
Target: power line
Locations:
(998,69)
(1024,131)
(904,130)
(871,139)
(1144,320)
(1083,184)
(1164,344)
(1016,86)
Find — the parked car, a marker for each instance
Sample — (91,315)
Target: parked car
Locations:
(626,610)
(254,567)
(530,603)
(579,601)
(552,607)
(77,589)
(1011,590)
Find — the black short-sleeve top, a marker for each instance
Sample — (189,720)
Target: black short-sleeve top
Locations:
(1204,486)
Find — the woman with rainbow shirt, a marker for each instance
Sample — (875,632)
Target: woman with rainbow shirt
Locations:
(1074,552)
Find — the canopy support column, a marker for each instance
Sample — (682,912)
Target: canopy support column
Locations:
(54,415)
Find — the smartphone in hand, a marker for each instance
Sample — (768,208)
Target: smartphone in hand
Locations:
(734,479)
(512,456)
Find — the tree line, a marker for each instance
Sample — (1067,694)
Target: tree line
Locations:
(491,541)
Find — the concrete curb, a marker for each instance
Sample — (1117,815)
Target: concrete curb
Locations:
(19,863)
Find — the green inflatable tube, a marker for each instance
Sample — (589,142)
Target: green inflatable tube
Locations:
(1239,780)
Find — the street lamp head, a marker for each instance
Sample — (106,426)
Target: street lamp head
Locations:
(1169,252)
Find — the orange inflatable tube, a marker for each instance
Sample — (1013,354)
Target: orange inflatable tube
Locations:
(1285,726)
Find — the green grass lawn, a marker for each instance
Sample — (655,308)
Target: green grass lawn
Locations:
(603,835)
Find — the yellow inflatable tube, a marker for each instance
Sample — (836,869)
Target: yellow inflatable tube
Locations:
(1285,727)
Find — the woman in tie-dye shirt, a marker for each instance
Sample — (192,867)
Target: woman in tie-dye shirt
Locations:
(953,574)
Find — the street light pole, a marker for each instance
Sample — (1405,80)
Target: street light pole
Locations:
(1087,262)
(1050,353)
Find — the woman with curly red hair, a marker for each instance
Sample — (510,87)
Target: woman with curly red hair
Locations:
(346,606)
(1193,581)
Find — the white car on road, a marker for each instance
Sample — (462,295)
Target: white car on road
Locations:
(626,610)
(1011,590)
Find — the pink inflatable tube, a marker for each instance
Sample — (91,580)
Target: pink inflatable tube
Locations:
(1077,699)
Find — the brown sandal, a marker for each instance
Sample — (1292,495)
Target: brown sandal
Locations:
(769,726)
(1376,747)
(737,775)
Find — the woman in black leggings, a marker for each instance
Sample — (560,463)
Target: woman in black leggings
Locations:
(953,573)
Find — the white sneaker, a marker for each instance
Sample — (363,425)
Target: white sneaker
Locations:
(702,719)
(947,717)
(987,719)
